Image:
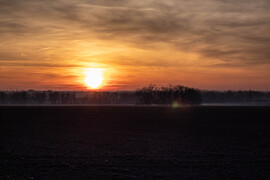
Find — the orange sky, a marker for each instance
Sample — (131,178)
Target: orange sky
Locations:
(209,44)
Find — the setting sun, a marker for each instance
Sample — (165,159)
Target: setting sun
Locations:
(94,77)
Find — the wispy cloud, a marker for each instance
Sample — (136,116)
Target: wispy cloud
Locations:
(215,31)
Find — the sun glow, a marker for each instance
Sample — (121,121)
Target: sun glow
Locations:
(94,77)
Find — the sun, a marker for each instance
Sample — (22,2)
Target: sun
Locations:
(94,77)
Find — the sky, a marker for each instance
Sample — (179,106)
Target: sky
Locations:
(209,44)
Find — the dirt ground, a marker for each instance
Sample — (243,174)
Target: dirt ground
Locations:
(103,142)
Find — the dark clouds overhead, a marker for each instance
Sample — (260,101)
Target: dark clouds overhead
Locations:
(230,30)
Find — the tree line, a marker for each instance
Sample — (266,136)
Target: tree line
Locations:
(151,94)
(235,96)
(64,97)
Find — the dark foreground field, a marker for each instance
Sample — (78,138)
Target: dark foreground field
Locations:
(134,143)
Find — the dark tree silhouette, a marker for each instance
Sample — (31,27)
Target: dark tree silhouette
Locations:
(147,95)
(168,95)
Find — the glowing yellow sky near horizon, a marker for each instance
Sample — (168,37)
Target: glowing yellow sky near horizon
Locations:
(127,69)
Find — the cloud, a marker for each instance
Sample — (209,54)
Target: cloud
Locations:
(220,33)
(36,64)
(212,28)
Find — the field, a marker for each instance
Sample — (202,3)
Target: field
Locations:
(118,142)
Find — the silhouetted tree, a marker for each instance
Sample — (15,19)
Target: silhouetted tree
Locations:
(146,94)
(168,95)
(3,98)
(41,97)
